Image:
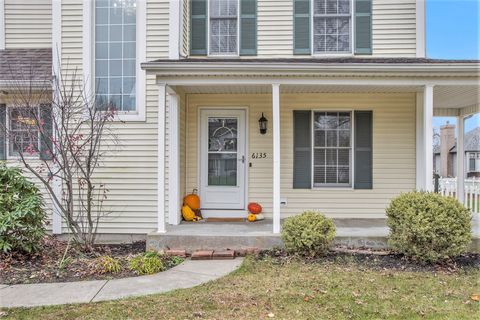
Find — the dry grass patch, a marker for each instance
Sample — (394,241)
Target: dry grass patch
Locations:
(262,289)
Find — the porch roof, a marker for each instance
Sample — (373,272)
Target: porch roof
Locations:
(25,66)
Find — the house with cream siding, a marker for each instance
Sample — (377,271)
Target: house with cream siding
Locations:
(345,86)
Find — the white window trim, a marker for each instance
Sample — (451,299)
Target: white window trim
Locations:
(2,25)
(141,48)
(220,55)
(351,185)
(7,138)
(332,54)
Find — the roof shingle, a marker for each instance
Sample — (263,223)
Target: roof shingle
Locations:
(25,64)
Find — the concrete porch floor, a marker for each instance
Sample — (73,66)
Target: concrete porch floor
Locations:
(191,236)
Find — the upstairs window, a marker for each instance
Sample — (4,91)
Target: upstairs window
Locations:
(223,25)
(332,26)
(115,54)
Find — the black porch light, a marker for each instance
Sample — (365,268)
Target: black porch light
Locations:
(262,123)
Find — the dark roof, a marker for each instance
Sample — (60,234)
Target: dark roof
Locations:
(471,141)
(321,60)
(25,64)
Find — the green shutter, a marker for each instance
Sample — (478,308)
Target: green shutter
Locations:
(302,149)
(301,27)
(363,157)
(248,27)
(46,146)
(3,131)
(363,26)
(198,27)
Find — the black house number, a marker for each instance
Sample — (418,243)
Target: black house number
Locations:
(259,155)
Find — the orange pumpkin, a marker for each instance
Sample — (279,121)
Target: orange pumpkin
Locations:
(254,208)
(251,217)
(192,200)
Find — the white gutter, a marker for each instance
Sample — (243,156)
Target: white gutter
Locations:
(473,68)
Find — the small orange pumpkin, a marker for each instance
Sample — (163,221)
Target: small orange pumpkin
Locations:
(254,208)
(192,200)
(251,217)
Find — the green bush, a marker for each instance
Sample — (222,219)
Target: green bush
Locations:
(147,263)
(21,212)
(107,264)
(309,233)
(428,227)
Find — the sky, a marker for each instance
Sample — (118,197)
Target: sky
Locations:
(453,31)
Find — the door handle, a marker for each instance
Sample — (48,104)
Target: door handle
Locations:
(242,159)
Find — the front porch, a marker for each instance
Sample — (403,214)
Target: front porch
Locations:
(192,236)
(402,98)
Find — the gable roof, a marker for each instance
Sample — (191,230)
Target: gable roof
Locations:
(471,141)
(25,65)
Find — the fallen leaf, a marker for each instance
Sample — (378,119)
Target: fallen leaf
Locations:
(475,297)
(271,315)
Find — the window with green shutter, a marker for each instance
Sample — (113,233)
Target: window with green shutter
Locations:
(332,27)
(3,131)
(248,27)
(328,152)
(198,27)
(363,27)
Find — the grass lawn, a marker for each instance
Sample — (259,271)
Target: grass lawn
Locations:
(296,290)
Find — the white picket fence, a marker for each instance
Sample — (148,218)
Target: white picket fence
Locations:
(448,187)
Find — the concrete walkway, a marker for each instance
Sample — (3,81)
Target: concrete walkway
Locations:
(186,275)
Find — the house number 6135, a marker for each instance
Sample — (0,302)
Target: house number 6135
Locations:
(259,155)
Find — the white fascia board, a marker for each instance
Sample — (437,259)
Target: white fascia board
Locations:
(292,69)
(340,81)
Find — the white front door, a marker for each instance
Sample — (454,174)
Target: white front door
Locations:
(222,159)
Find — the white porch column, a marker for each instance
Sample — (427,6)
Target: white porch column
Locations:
(276,157)
(428,136)
(420,150)
(460,160)
(174,159)
(162,98)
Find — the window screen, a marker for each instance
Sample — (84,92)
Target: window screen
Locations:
(223,26)
(115,53)
(332,149)
(331,26)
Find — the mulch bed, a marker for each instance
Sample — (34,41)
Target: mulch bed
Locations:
(379,260)
(45,266)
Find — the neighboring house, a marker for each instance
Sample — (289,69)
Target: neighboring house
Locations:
(445,159)
(345,86)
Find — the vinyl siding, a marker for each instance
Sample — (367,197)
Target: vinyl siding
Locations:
(275,28)
(393,151)
(130,171)
(28,24)
(393,28)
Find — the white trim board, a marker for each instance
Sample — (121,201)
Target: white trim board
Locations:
(141,48)
(420,28)
(174,24)
(2,25)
